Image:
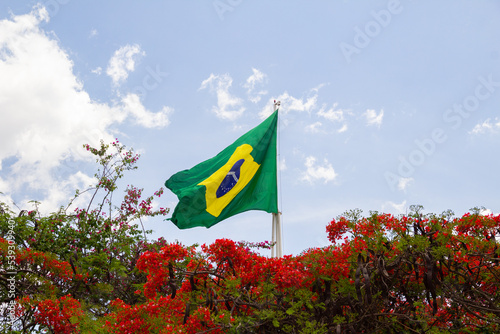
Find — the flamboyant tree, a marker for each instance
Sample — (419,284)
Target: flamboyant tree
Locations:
(64,268)
(408,274)
(91,270)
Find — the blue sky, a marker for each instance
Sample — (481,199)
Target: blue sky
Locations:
(385,104)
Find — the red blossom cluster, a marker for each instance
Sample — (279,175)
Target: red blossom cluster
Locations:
(61,315)
(46,264)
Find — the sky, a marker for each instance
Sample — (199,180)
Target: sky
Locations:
(384,104)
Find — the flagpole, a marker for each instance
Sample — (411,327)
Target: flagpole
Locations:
(277,236)
(273,232)
(276,250)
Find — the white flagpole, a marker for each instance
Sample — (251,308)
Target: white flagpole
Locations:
(273,240)
(277,236)
(276,250)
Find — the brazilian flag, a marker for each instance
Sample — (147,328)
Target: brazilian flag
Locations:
(240,178)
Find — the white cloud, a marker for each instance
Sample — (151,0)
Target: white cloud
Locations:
(404,182)
(122,62)
(294,104)
(290,103)
(332,114)
(282,164)
(255,79)
(58,191)
(132,105)
(47,115)
(41,97)
(318,87)
(391,207)
(314,128)
(487,126)
(342,129)
(228,106)
(93,33)
(97,70)
(316,173)
(372,118)
(5,198)
(486,212)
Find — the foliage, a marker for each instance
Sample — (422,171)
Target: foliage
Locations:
(92,271)
(76,260)
(408,274)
